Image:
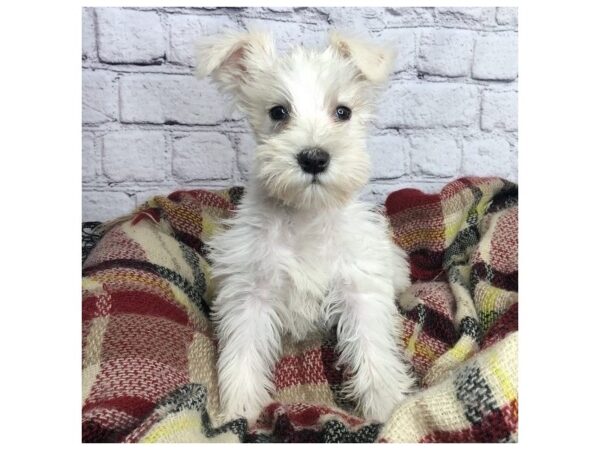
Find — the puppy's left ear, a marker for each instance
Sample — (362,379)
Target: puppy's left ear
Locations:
(374,62)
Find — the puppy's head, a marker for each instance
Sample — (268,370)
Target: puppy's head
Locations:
(309,111)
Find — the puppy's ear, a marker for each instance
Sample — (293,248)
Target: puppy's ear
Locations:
(235,57)
(374,62)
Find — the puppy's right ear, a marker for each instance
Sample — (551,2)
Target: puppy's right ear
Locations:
(235,58)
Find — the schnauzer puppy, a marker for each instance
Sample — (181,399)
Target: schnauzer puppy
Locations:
(302,253)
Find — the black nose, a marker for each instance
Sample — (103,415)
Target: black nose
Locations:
(313,160)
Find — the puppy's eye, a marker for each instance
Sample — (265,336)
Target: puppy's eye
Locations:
(278,113)
(343,113)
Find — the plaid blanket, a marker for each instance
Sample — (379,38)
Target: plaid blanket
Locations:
(149,349)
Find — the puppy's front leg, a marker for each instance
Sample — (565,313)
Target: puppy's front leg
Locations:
(380,378)
(249,338)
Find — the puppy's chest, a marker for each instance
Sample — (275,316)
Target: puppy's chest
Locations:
(306,265)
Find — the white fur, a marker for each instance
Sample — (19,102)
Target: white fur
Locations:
(302,253)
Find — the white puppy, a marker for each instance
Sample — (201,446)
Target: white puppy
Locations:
(302,253)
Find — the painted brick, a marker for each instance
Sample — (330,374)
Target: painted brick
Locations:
(289,34)
(404,42)
(88,30)
(388,156)
(138,155)
(495,56)
(246,147)
(489,157)
(89,158)
(106,205)
(470,17)
(275,9)
(507,16)
(187,30)
(435,155)
(499,110)
(202,156)
(99,97)
(160,99)
(408,17)
(446,52)
(128,36)
(355,19)
(428,105)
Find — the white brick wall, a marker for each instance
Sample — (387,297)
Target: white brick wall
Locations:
(150,127)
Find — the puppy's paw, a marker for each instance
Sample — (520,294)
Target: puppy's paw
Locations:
(381,399)
(380,404)
(250,413)
(244,398)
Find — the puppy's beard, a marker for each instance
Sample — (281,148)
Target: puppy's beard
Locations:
(294,188)
(317,193)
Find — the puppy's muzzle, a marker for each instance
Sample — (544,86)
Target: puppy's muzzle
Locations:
(313,160)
